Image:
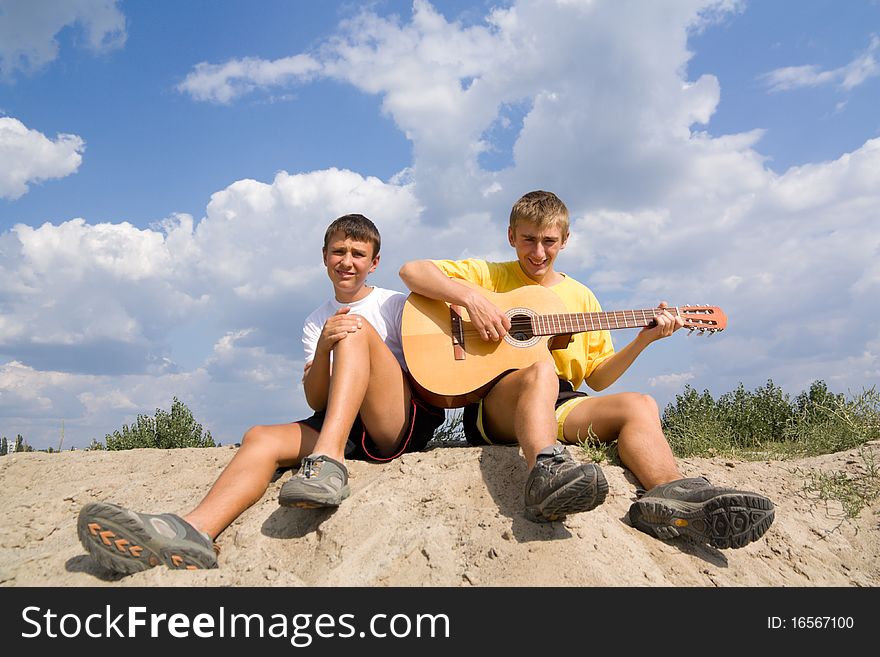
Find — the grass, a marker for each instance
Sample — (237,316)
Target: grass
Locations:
(596,450)
(853,492)
(765,424)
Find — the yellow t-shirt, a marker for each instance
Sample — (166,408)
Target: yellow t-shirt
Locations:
(588,349)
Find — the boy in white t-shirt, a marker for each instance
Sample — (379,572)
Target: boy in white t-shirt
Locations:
(355,379)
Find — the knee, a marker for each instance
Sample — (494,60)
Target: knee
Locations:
(542,372)
(541,376)
(640,407)
(256,437)
(366,330)
(361,338)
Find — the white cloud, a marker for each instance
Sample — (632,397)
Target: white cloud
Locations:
(19,395)
(796,77)
(672,381)
(239,356)
(36,402)
(76,284)
(851,75)
(611,122)
(604,85)
(72,289)
(28,30)
(221,83)
(28,156)
(261,240)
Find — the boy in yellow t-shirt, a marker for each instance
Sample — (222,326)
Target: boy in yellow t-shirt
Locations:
(540,406)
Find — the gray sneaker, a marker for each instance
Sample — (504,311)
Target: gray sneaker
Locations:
(127,542)
(558,485)
(722,517)
(321,481)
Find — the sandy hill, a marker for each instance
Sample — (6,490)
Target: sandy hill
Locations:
(451,516)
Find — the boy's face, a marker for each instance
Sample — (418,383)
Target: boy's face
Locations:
(536,248)
(348,263)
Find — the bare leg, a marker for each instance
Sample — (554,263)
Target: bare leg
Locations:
(245,479)
(634,420)
(520,408)
(366,379)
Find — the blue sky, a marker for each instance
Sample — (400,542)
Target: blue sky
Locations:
(167,170)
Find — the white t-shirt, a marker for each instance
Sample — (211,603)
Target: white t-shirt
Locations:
(382,308)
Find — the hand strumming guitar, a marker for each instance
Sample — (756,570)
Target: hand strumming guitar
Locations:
(488,320)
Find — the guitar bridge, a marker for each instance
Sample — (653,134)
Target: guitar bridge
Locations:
(457,332)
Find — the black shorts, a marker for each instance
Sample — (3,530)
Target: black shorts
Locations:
(471,420)
(424,419)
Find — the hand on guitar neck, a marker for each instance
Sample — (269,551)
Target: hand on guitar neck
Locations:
(663,325)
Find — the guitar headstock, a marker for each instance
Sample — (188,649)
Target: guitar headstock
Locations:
(705,319)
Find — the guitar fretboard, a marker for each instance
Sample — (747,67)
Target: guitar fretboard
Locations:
(580,322)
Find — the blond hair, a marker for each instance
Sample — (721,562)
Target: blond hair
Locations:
(542,209)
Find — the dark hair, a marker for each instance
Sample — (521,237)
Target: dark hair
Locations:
(356,227)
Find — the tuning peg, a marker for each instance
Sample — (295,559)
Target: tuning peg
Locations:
(690,331)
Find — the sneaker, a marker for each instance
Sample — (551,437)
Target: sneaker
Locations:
(127,542)
(558,485)
(321,481)
(722,517)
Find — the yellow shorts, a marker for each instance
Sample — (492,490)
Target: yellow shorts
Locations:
(476,433)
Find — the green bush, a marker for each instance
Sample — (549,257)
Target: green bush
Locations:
(163,431)
(21,445)
(693,424)
(826,422)
(766,421)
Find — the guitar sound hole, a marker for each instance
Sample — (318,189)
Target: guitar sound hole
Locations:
(521,328)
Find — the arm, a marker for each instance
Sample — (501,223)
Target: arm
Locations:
(316,375)
(316,382)
(611,369)
(425,278)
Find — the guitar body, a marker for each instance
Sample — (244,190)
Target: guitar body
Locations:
(451,365)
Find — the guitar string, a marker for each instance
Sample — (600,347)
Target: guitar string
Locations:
(527,324)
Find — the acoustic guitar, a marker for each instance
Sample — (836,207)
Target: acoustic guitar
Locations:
(451,366)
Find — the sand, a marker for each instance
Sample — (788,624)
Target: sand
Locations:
(450,517)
